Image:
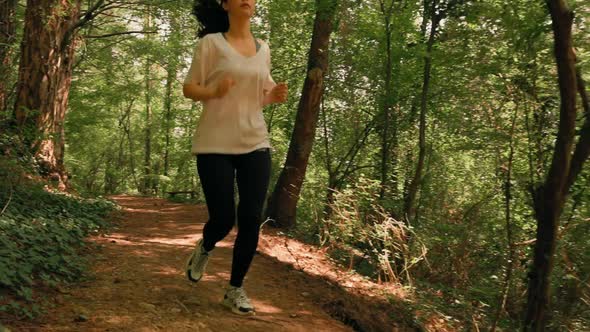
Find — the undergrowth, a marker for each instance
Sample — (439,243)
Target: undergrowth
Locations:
(42,237)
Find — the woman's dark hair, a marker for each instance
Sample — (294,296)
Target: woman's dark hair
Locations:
(211,16)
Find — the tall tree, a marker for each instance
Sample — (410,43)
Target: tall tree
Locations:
(506,169)
(171,72)
(388,119)
(147,161)
(549,198)
(7,38)
(282,205)
(431,7)
(44,80)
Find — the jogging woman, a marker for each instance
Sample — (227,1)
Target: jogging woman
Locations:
(230,75)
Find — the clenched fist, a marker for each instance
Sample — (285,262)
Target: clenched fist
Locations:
(223,87)
(278,94)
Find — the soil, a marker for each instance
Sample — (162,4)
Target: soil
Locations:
(138,284)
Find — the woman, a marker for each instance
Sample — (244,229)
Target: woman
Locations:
(230,75)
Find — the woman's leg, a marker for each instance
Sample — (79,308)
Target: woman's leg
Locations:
(216,172)
(253,173)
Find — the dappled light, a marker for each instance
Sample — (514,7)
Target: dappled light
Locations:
(404,165)
(138,281)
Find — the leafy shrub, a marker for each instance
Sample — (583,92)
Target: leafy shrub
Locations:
(360,227)
(41,234)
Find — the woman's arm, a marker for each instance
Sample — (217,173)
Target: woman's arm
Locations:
(197,92)
(266,99)
(278,94)
(272,92)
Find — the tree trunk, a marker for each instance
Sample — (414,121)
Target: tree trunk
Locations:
(550,197)
(110,179)
(582,150)
(344,168)
(168,115)
(170,78)
(45,71)
(331,174)
(147,162)
(7,38)
(283,202)
(127,129)
(386,103)
(409,208)
(385,117)
(509,230)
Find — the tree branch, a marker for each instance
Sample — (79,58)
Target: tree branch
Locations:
(582,149)
(119,34)
(89,15)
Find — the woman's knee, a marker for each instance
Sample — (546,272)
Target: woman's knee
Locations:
(223,220)
(249,223)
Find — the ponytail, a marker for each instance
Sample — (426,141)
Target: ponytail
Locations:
(211,16)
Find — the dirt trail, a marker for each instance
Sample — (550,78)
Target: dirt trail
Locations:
(139,284)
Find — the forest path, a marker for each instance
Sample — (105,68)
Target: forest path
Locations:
(138,282)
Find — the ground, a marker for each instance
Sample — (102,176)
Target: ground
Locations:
(137,282)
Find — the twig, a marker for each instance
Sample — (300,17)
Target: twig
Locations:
(284,243)
(182,305)
(119,34)
(273,321)
(291,253)
(525,243)
(474,323)
(7,203)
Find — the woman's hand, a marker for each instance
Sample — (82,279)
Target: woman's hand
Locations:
(198,92)
(278,94)
(223,87)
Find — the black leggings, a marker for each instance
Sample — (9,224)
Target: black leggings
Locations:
(217,173)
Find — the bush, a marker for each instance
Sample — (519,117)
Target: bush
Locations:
(41,234)
(360,227)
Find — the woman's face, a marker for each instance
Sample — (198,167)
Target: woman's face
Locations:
(240,7)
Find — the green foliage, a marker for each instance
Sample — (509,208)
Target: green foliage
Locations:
(41,237)
(361,231)
(491,63)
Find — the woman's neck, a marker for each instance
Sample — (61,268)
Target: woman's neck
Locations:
(239,28)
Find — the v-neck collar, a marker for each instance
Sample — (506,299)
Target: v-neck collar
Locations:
(226,42)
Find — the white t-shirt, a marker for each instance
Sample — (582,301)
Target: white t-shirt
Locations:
(232,124)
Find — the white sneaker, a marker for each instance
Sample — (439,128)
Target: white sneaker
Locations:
(235,298)
(196,263)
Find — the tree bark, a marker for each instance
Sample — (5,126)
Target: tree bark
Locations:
(170,78)
(282,204)
(387,101)
(127,129)
(345,166)
(509,230)
(47,54)
(409,206)
(147,161)
(549,198)
(168,115)
(7,38)
(582,150)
